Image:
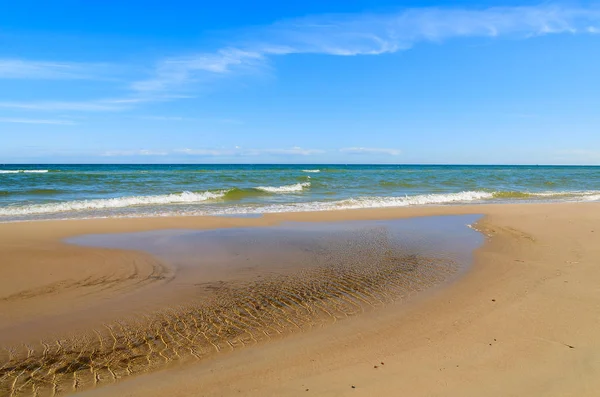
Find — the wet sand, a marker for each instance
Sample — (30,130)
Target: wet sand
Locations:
(522,322)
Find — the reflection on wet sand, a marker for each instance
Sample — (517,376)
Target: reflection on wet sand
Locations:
(302,277)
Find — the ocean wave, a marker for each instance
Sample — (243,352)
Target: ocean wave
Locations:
(24,171)
(464,197)
(580,195)
(161,205)
(163,199)
(314,171)
(298,187)
(239,194)
(117,202)
(421,199)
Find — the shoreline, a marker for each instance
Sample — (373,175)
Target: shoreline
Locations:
(517,231)
(430,200)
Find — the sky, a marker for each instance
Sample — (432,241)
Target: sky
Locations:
(340,81)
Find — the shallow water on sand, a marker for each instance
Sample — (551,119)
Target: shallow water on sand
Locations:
(298,246)
(246,286)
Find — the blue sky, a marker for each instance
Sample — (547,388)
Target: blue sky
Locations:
(308,82)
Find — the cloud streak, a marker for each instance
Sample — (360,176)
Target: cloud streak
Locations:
(85,106)
(98,105)
(36,121)
(365,150)
(251,50)
(48,70)
(141,152)
(365,34)
(238,151)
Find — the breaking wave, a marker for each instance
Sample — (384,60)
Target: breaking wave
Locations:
(161,205)
(23,171)
(117,202)
(298,187)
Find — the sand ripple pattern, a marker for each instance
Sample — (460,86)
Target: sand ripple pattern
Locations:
(234,316)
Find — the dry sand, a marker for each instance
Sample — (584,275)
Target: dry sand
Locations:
(523,322)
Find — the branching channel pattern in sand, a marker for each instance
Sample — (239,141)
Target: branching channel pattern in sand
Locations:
(349,280)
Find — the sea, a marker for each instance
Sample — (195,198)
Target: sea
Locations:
(44,192)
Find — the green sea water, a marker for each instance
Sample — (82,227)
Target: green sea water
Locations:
(37,191)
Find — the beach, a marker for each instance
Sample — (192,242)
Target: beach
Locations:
(285,199)
(522,320)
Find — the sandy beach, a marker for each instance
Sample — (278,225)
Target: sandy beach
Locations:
(522,321)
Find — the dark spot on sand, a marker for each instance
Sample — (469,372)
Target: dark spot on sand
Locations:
(375,366)
(354,387)
(570,347)
(306,389)
(493,300)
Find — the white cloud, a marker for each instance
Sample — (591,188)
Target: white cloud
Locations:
(27,69)
(334,35)
(294,151)
(141,152)
(206,152)
(91,106)
(99,105)
(36,121)
(365,150)
(238,151)
(366,34)
(183,70)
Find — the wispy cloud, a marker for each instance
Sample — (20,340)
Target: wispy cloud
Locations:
(217,152)
(205,152)
(98,105)
(365,150)
(28,69)
(239,151)
(365,34)
(252,49)
(293,151)
(36,121)
(141,152)
(175,72)
(89,106)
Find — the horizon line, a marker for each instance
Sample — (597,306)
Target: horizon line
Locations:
(331,164)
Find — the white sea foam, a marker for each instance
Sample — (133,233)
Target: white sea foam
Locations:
(586,195)
(314,171)
(158,205)
(118,202)
(23,171)
(355,203)
(404,201)
(422,199)
(298,187)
